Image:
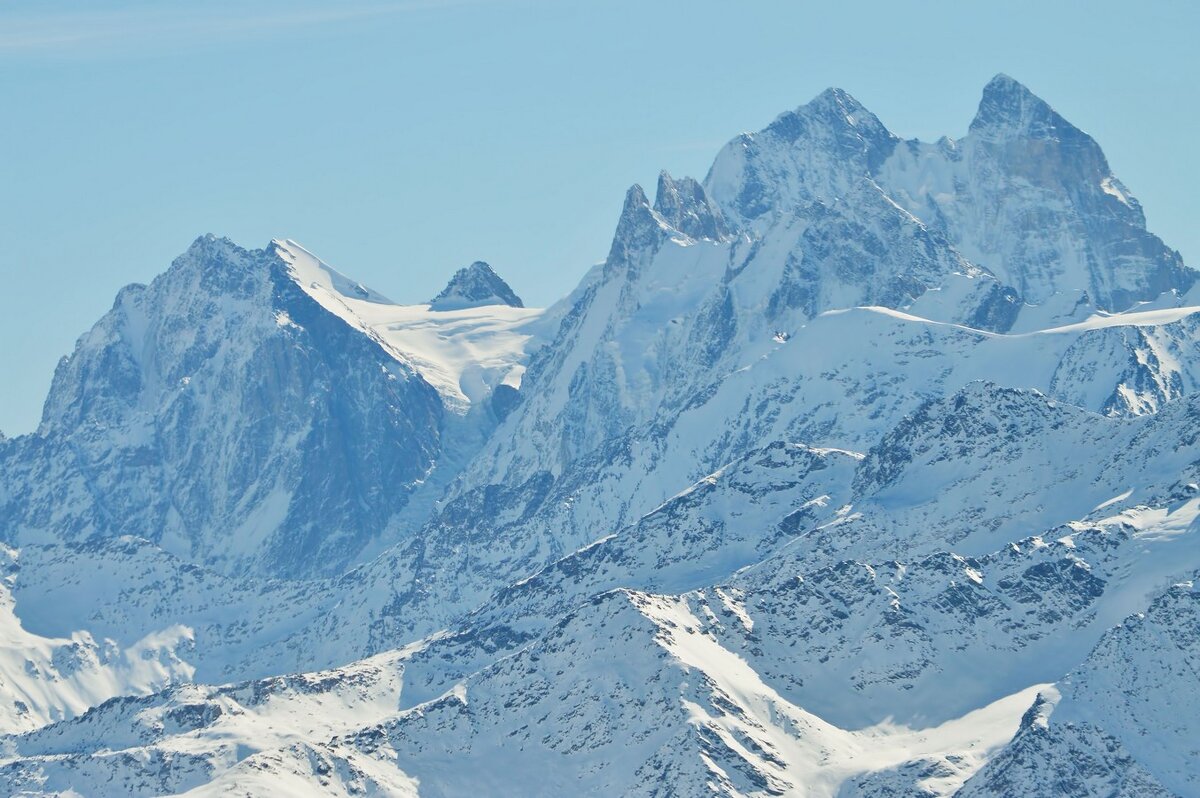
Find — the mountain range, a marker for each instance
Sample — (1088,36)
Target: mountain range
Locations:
(862,467)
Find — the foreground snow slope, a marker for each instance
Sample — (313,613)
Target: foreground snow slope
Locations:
(43,680)
(778,666)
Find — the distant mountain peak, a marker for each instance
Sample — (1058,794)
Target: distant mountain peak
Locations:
(637,217)
(1009,107)
(833,109)
(209,243)
(838,100)
(638,230)
(475,286)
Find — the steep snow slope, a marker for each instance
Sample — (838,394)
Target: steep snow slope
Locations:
(466,350)
(1124,723)
(43,680)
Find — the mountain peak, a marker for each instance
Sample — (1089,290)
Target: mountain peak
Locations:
(1002,81)
(635,198)
(834,109)
(637,218)
(1009,108)
(474,286)
(209,243)
(834,98)
(819,151)
(637,229)
(685,206)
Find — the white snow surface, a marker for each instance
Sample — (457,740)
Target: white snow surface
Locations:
(44,680)
(465,354)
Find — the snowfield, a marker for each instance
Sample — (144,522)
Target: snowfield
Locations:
(464,352)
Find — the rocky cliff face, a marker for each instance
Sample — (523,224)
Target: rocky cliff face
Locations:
(1031,197)
(474,286)
(223,414)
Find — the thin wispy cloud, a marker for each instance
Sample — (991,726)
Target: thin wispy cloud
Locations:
(86,32)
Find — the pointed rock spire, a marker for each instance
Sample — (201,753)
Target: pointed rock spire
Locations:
(638,230)
(475,286)
(684,205)
(635,212)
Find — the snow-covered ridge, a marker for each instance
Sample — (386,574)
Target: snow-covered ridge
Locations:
(1098,321)
(465,351)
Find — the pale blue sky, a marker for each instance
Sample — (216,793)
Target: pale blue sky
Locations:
(402,140)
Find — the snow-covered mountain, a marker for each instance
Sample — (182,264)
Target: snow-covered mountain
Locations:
(864,467)
(1123,723)
(1031,197)
(258,412)
(475,286)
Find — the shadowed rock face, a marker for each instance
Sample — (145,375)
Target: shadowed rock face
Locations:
(222,413)
(1031,197)
(684,206)
(474,286)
